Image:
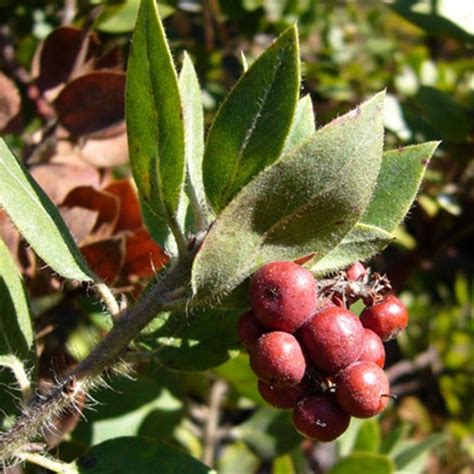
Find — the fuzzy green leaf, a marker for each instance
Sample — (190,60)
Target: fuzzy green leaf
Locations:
(197,341)
(303,125)
(141,455)
(38,220)
(400,176)
(153,114)
(306,202)
(194,138)
(252,124)
(17,342)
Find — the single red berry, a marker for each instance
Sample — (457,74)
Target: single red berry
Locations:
(386,318)
(320,418)
(362,389)
(278,359)
(283,295)
(249,329)
(333,339)
(355,271)
(373,349)
(283,398)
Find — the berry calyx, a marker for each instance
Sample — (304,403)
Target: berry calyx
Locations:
(283,398)
(373,349)
(249,329)
(278,359)
(386,318)
(333,339)
(320,418)
(355,271)
(283,295)
(362,389)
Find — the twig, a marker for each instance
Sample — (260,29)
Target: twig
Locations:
(107,297)
(406,367)
(48,463)
(68,12)
(88,373)
(216,397)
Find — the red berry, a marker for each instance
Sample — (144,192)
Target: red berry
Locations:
(277,358)
(249,329)
(283,398)
(320,418)
(362,389)
(355,271)
(386,318)
(373,349)
(333,339)
(283,295)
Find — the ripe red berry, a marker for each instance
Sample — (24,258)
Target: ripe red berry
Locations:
(373,349)
(386,318)
(283,295)
(283,398)
(278,359)
(355,271)
(362,389)
(320,418)
(249,329)
(333,339)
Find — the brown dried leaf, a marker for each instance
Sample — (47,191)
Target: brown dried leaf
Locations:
(92,102)
(105,204)
(105,257)
(106,152)
(56,56)
(80,221)
(143,257)
(10,101)
(58,177)
(130,217)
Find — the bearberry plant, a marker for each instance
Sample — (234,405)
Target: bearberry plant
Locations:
(258,218)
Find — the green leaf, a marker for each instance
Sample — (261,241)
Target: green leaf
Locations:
(193,118)
(121,18)
(145,406)
(363,462)
(38,220)
(251,126)
(17,342)
(303,125)
(239,375)
(198,341)
(283,465)
(237,454)
(142,455)
(399,179)
(304,203)
(368,437)
(153,115)
(269,433)
(410,453)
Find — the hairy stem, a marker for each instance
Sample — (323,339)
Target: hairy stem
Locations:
(105,355)
(108,298)
(48,463)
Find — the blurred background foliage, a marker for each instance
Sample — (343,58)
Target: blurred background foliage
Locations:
(421,51)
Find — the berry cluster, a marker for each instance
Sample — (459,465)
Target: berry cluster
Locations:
(311,354)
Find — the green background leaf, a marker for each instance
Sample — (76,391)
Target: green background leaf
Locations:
(153,115)
(141,455)
(304,203)
(198,341)
(365,463)
(38,220)
(251,126)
